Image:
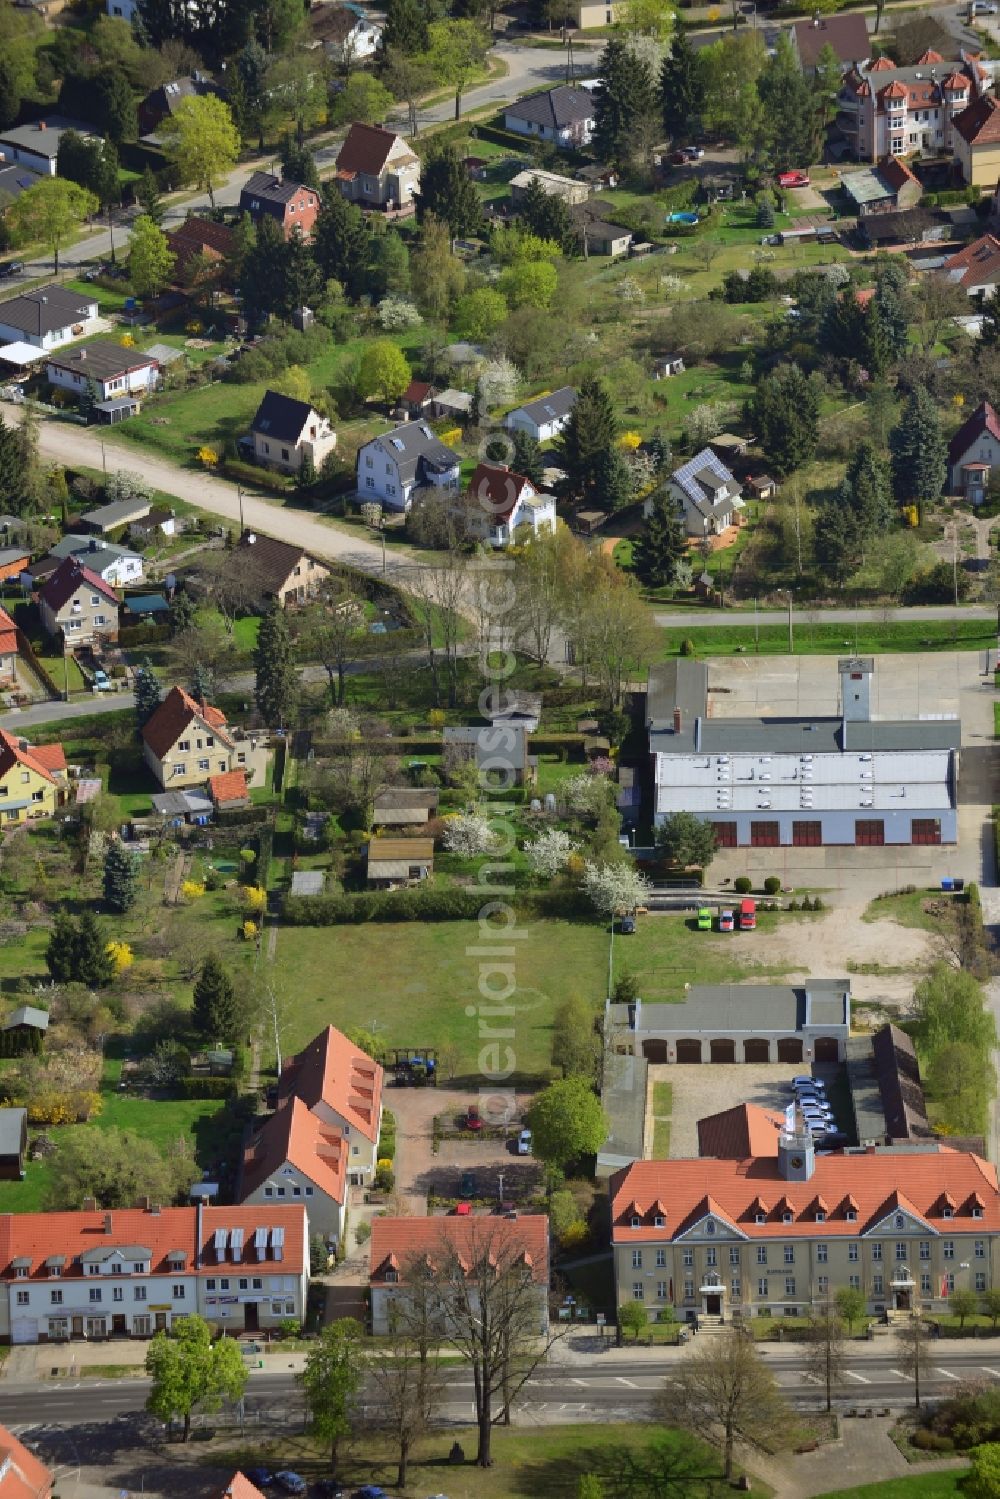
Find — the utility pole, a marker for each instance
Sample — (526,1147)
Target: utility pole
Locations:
(277,1029)
(611,956)
(239,491)
(791,641)
(954,557)
(756,629)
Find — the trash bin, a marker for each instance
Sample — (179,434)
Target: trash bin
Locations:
(947,884)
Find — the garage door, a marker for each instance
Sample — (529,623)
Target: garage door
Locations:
(24,1330)
(723,1051)
(756,1051)
(790,1049)
(826,1049)
(689,1051)
(655,1051)
(869,832)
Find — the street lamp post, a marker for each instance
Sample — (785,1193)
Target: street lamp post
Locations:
(791,639)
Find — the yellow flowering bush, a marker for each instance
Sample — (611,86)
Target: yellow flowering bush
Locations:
(629,441)
(127,341)
(192,889)
(250,930)
(436,718)
(208,457)
(254,897)
(121,956)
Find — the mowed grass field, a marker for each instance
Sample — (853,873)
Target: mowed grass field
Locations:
(911,1486)
(415,981)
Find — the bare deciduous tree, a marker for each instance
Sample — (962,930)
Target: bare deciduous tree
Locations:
(826,1356)
(915,1338)
(331,631)
(724,1392)
(406,1375)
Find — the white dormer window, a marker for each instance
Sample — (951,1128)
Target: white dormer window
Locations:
(977,1212)
(786,1217)
(636,1222)
(851,1216)
(659,1220)
(759,1218)
(820,1216)
(948,1213)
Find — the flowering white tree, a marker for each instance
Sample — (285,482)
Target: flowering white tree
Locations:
(614,887)
(342,723)
(469,833)
(498,383)
(709,419)
(547,854)
(586,794)
(396,314)
(126,484)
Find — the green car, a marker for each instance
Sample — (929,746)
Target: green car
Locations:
(704,920)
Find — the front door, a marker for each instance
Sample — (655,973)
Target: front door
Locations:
(713,1306)
(161,1321)
(902,1301)
(251,1316)
(118,1327)
(77,1327)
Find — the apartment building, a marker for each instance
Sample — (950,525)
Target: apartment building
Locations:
(885,110)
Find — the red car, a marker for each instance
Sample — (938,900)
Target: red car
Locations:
(473,1119)
(793,179)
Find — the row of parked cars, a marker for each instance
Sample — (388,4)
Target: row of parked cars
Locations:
(326,1488)
(810,1095)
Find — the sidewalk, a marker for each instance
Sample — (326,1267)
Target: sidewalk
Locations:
(39,1362)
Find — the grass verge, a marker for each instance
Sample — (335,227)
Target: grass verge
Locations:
(817,639)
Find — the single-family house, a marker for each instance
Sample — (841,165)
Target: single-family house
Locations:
(392,467)
(160,521)
(161,103)
(199,238)
(22,1475)
(32,780)
(976,269)
(415,400)
(499,751)
(404,806)
(392,862)
(36,145)
(545,417)
(561,116)
(116,565)
(284,573)
(288,433)
(77,604)
(886,188)
(342,1085)
(294,1156)
(346,35)
(973,454)
(110,369)
(378,168)
(667,366)
(553,184)
(115,516)
(27,1023)
(228,790)
(292,204)
(48,317)
(598,236)
(706,493)
(503,507)
(847,34)
(587,14)
(976,141)
(13,1150)
(184,742)
(516,1248)
(9,650)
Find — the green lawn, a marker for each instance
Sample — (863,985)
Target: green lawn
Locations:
(815,639)
(905,910)
(912,1486)
(422,976)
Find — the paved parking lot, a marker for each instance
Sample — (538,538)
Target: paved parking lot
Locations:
(712,1087)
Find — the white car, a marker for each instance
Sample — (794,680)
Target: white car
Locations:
(524,1142)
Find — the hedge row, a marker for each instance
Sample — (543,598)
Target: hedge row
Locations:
(426,903)
(206,1087)
(260,478)
(140,635)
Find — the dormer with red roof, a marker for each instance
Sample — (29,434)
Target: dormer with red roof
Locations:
(974,451)
(378,169)
(504,507)
(342,1086)
(77,604)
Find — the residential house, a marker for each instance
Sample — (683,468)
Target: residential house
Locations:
(886,188)
(346,35)
(292,204)
(518,707)
(598,236)
(342,1085)
(667,366)
(288,433)
(9,649)
(284,573)
(552,184)
(976,141)
(116,565)
(13,1151)
(561,116)
(707,495)
(130,1272)
(14,181)
(587,14)
(161,103)
(32,779)
(779,1235)
(296,1156)
(498,750)
(404,806)
(885,110)
(27,1024)
(228,790)
(13,561)
(37,145)
(847,34)
(185,742)
(415,400)
(110,369)
(160,521)
(22,1475)
(392,862)
(76,603)
(391,468)
(973,454)
(199,238)
(976,269)
(504,507)
(545,417)
(115,516)
(378,169)
(48,317)
(397,1245)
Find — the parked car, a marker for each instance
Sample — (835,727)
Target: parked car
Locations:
(291,1483)
(694,153)
(12,268)
(748,915)
(982,8)
(793,179)
(370,1491)
(727,921)
(467,1186)
(473,1119)
(463,1210)
(804,1081)
(704,920)
(328,1488)
(102,682)
(524,1142)
(627,926)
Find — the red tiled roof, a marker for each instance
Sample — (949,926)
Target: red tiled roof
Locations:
(927,57)
(22,1476)
(416,392)
(67,578)
(43,761)
(498,490)
(333,1071)
(8,635)
(872,1178)
(296,1136)
(895,172)
(979,263)
(883,65)
(983,419)
(228,786)
(240,1487)
(956,80)
(746,1130)
(177,711)
(394,1241)
(52,756)
(196,233)
(979,122)
(366,149)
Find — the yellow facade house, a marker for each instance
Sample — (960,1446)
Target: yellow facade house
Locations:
(977,142)
(32,780)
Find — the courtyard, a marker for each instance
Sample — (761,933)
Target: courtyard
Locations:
(697,1091)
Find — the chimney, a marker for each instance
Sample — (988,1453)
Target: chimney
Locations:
(90,1204)
(678,720)
(154,1208)
(42,125)
(107,1223)
(142,1204)
(250,538)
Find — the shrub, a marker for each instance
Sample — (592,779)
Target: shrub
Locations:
(249,930)
(687,647)
(772,885)
(384,1177)
(742,885)
(192,890)
(289,1327)
(206,1087)
(121,956)
(363,1232)
(793,905)
(254,898)
(931,1441)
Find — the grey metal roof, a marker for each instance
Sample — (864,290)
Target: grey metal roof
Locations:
(135,1253)
(118,513)
(172,803)
(726,736)
(623,1095)
(12,1126)
(676,684)
(46,309)
(27,1015)
(866,1096)
(556,108)
(551,407)
(308,882)
(743,1008)
(91,550)
(416,450)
